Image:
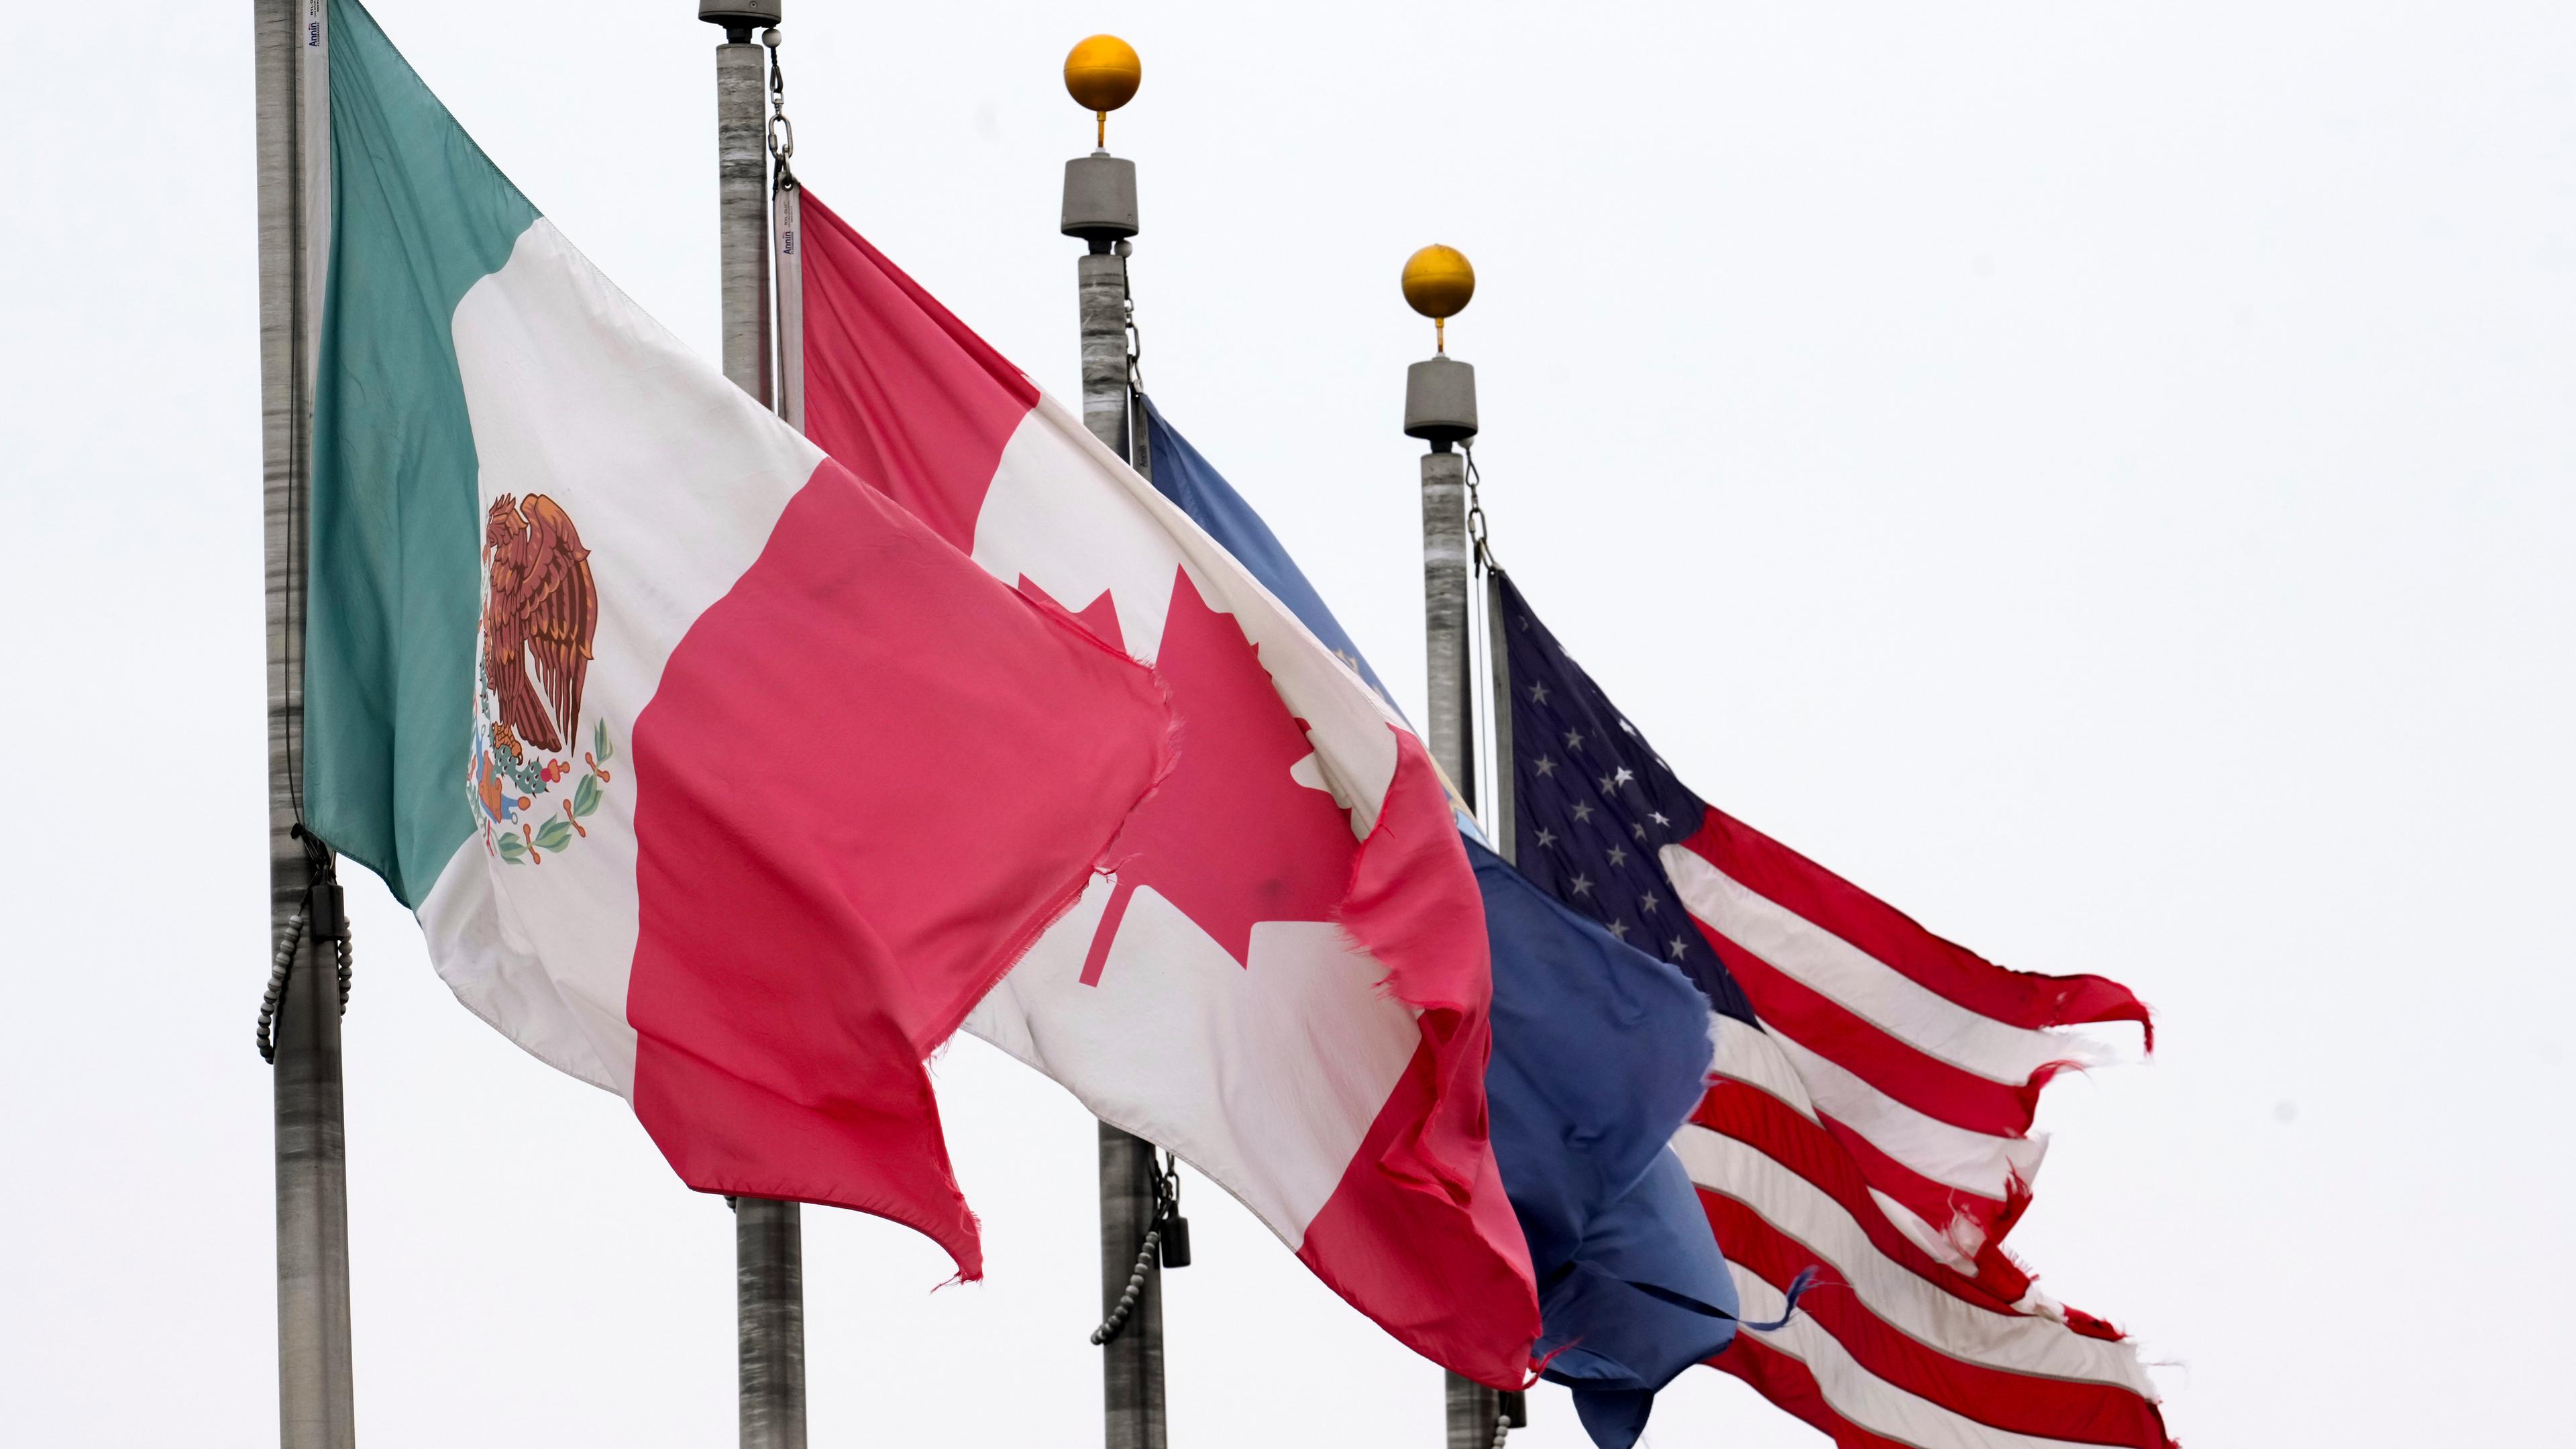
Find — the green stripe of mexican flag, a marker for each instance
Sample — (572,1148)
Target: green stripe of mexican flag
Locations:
(713,777)
(418,216)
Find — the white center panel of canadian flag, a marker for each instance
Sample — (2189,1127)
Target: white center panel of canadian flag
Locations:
(1163,1031)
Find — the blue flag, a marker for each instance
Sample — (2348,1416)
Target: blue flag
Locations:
(1600,1053)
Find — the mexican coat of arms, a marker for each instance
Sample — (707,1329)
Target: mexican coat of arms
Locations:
(540,614)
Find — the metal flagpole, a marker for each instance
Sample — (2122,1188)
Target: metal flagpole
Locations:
(1100,208)
(300,1022)
(1440,409)
(769,1267)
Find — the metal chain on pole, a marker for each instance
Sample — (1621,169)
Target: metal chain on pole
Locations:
(1140,451)
(281,965)
(1479,549)
(1169,1228)
(782,131)
(1117,1318)
(281,969)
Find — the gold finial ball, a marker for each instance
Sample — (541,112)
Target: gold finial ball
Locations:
(1438,282)
(1102,73)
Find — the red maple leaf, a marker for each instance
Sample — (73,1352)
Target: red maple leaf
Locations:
(1230,838)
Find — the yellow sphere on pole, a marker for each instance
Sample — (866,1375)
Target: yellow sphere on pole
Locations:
(1102,73)
(1438,283)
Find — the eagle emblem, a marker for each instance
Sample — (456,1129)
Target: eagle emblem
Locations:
(540,615)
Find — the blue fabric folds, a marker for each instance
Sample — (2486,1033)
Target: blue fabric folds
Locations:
(1184,476)
(1600,1053)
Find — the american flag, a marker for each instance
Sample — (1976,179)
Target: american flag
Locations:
(1871,1104)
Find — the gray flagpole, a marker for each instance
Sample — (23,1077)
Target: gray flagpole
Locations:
(1100,208)
(769,1254)
(1440,409)
(315,1405)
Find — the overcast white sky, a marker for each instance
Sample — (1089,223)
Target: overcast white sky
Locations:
(2099,476)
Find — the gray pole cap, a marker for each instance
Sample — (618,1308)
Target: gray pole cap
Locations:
(1100,199)
(739,15)
(1440,402)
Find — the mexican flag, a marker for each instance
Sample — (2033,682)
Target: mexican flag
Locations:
(714,778)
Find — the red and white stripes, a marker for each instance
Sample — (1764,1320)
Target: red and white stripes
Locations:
(1877,1125)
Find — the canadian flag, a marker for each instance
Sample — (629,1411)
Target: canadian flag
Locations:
(1281,975)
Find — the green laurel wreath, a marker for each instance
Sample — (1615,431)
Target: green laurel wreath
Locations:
(559,831)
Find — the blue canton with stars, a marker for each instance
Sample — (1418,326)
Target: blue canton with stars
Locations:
(1592,804)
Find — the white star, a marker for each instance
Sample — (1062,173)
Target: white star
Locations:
(1582,810)
(1608,784)
(1618,855)
(1626,727)
(1651,901)
(1582,885)
(1546,837)
(1619,930)
(1538,694)
(1658,818)
(1623,776)
(1674,948)
(1546,766)
(1638,831)
(1574,741)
